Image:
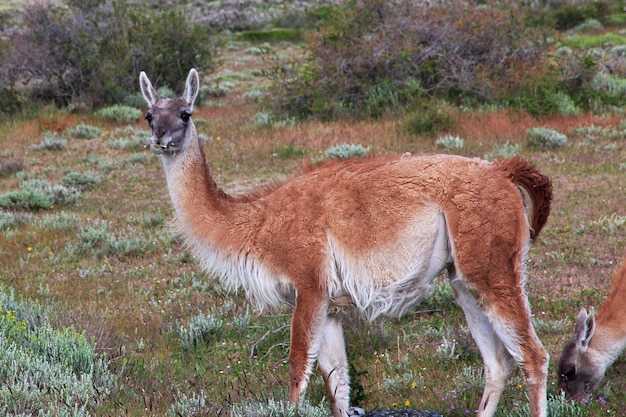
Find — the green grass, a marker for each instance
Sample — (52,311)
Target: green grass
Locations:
(594,41)
(111,268)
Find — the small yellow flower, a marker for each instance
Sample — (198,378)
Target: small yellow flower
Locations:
(218,138)
(407,403)
(29,249)
(158,281)
(219,169)
(413,384)
(377,360)
(394,404)
(520,386)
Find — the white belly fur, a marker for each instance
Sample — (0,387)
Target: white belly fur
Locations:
(391,280)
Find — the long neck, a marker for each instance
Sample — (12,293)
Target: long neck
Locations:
(609,339)
(203,210)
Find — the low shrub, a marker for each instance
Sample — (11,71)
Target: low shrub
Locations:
(429,120)
(80,180)
(39,194)
(508,150)
(545,138)
(47,371)
(449,142)
(201,329)
(51,142)
(346,151)
(120,113)
(279,408)
(84,132)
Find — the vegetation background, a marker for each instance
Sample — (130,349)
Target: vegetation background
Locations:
(102,310)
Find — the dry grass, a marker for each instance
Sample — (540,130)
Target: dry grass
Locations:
(135,300)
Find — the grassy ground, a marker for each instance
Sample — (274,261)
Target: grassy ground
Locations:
(134,287)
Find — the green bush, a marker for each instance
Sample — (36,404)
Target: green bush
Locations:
(449,142)
(201,328)
(545,138)
(429,120)
(120,113)
(84,132)
(347,150)
(508,150)
(50,142)
(280,408)
(80,180)
(39,194)
(46,371)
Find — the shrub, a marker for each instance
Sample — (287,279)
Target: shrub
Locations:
(508,150)
(449,142)
(46,371)
(589,25)
(39,194)
(51,142)
(565,106)
(275,408)
(72,53)
(201,328)
(95,240)
(7,220)
(431,119)
(190,406)
(80,180)
(11,101)
(568,17)
(58,221)
(545,138)
(128,139)
(84,132)
(120,113)
(370,57)
(609,85)
(346,151)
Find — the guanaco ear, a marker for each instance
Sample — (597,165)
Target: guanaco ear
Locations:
(585,327)
(147,90)
(192,86)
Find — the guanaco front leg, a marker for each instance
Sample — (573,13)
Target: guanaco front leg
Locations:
(307,326)
(333,363)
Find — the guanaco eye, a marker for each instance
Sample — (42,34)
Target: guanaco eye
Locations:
(185,116)
(148,117)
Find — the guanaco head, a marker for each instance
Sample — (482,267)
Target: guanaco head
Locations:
(579,371)
(170,119)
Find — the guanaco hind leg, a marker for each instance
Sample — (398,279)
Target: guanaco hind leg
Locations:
(497,360)
(505,336)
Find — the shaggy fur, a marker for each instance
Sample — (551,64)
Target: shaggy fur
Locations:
(372,233)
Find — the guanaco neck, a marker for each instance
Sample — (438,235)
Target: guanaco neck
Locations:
(204,212)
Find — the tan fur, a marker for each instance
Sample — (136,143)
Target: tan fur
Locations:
(596,342)
(372,234)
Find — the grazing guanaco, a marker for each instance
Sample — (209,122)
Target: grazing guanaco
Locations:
(596,342)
